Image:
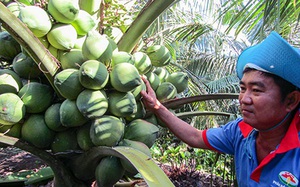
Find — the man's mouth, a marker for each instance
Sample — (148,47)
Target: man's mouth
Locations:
(246,111)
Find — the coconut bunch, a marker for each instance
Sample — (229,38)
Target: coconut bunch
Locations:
(96,100)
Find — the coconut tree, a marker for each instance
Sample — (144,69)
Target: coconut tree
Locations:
(204,37)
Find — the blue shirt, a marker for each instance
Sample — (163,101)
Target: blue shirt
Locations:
(279,169)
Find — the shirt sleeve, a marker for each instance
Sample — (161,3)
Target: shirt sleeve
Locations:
(223,139)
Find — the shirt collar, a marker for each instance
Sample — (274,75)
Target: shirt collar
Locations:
(291,138)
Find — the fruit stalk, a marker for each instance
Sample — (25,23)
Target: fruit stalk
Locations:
(141,23)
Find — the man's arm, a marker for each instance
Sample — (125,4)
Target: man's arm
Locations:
(187,133)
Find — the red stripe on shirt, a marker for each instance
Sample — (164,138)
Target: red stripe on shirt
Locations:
(204,136)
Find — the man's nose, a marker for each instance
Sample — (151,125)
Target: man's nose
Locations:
(245,98)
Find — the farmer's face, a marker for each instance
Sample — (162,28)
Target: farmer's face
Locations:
(260,101)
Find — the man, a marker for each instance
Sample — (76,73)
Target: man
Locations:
(265,142)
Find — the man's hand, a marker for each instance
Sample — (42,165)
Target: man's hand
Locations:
(149,97)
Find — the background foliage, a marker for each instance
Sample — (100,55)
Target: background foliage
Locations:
(205,38)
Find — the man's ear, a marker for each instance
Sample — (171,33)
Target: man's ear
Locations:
(292,100)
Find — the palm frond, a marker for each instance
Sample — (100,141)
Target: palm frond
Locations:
(190,32)
(228,84)
(258,18)
(208,66)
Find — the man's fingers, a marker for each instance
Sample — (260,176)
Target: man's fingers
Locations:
(148,86)
(144,78)
(143,93)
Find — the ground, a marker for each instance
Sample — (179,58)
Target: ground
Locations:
(15,160)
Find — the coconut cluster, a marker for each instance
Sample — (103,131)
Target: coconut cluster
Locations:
(96,98)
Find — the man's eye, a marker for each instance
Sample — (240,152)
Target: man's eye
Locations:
(256,90)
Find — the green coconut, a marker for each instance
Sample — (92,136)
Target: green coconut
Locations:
(137,91)
(140,112)
(179,80)
(165,91)
(142,62)
(125,77)
(92,7)
(14,7)
(152,119)
(153,79)
(12,109)
(84,140)
(36,132)
(9,47)
(44,41)
(160,55)
(54,51)
(122,104)
(92,103)
(10,82)
(93,75)
(109,171)
(83,23)
(52,118)
(120,57)
(36,19)
(106,130)
(63,11)
(97,47)
(142,131)
(62,36)
(37,97)
(64,141)
(162,73)
(70,116)
(68,84)
(11,130)
(25,66)
(71,59)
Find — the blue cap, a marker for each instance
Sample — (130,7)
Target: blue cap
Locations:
(273,55)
